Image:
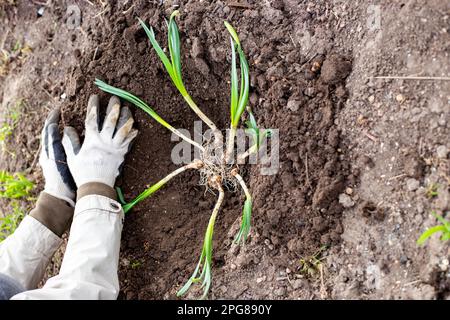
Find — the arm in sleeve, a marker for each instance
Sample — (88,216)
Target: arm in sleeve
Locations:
(90,266)
(25,254)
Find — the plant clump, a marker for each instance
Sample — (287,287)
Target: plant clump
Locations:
(216,167)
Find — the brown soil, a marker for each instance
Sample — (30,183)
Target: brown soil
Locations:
(349,145)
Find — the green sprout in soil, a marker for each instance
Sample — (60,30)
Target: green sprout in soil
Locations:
(432,190)
(9,124)
(444,228)
(135,264)
(18,52)
(216,167)
(13,187)
(311,265)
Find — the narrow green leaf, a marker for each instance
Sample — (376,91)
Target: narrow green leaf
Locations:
(205,262)
(445,236)
(151,36)
(244,231)
(245,85)
(174,49)
(120,196)
(428,233)
(232,32)
(442,220)
(234,84)
(133,99)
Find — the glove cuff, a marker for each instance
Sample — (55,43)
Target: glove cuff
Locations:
(96,188)
(54,213)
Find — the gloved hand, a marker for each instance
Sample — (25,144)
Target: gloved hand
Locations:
(103,150)
(58,180)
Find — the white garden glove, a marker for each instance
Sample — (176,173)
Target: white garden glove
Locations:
(58,180)
(103,151)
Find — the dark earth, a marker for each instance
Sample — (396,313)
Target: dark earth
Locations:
(358,154)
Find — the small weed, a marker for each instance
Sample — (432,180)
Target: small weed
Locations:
(311,265)
(431,191)
(9,124)
(444,228)
(135,264)
(18,52)
(10,222)
(14,187)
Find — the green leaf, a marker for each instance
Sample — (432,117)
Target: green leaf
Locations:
(442,220)
(232,32)
(175,51)
(245,86)
(205,262)
(428,233)
(445,236)
(144,195)
(237,108)
(252,121)
(120,196)
(134,100)
(244,231)
(151,36)
(234,83)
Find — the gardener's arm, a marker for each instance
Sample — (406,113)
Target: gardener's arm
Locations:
(25,254)
(90,264)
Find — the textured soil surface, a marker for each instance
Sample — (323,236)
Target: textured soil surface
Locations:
(358,155)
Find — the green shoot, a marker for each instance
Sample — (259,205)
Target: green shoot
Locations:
(310,265)
(432,190)
(120,196)
(8,125)
(173,66)
(10,222)
(143,106)
(238,99)
(444,228)
(244,230)
(135,264)
(206,257)
(254,131)
(152,189)
(14,186)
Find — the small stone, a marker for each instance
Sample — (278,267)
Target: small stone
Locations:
(280,291)
(335,69)
(125,262)
(442,152)
(197,49)
(346,200)
(233,266)
(412,184)
(400,98)
(293,105)
(254,99)
(310,92)
(349,191)
(372,99)
(297,284)
(260,279)
(443,264)
(415,110)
